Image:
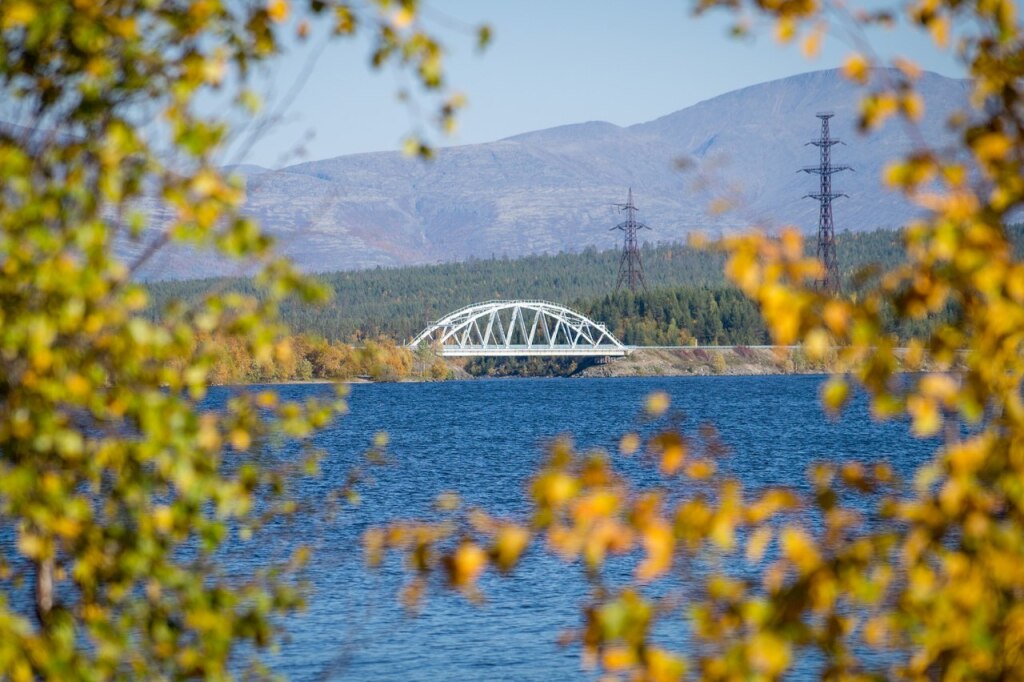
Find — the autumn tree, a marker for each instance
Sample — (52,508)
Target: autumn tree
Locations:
(931,590)
(117,486)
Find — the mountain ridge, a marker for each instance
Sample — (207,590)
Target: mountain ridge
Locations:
(552,190)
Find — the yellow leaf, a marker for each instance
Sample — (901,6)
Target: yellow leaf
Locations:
(913,106)
(939,386)
(785,29)
(208,437)
(939,28)
(855,68)
(278,10)
(915,354)
(67,528)
(163,518)
(373,544)
(602,503)
(659,543)
(31,545)
(927,420)
(908,68)
(876,631)
(618,658)
(834,393)
(558,488)
(214,70)
(240,439)
(723,532)
(672,458)
(663,666)
(77,385)
(798,547)
(969,456)
(836,316)
(657,403)
(403,17)
(447,501)
(509,544)
(816,344)
(991,147)
(811,44)
(468,563)
(700,469)
(629,443)
(792,243)
(769,654)
(206,182)
(757,543)
(19,14)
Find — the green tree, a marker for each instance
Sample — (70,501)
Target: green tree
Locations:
(119,487)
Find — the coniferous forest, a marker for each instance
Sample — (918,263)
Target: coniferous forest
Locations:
(687,301)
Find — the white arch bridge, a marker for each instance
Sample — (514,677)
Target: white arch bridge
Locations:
(518,328)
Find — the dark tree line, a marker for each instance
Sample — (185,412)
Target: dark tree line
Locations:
(678,316)
(689,298)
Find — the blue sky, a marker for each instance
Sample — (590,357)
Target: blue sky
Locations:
(552,62)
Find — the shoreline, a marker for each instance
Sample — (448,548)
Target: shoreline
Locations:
(684,361)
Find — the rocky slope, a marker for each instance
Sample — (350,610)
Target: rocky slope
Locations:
(552,190)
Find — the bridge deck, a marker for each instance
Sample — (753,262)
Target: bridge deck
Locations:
(534,350)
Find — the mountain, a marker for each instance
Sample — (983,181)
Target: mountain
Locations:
(552,190)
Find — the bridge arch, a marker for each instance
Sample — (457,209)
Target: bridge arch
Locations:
(519,328)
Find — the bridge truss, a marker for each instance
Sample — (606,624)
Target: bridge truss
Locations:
(519,328)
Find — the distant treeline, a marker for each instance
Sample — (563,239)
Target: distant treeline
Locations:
(678,317)
(689,298)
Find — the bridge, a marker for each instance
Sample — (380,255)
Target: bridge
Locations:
(519,328)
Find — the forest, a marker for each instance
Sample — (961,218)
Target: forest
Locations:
(688,299)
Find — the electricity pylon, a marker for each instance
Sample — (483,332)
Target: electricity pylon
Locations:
(631,265)
(829,281)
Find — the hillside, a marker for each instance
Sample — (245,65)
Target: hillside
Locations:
(551,191)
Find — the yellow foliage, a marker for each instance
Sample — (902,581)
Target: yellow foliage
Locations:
(121,491)
(934,578)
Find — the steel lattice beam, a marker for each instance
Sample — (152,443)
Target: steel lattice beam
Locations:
(565,332)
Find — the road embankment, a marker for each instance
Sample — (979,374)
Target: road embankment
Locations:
(722,360)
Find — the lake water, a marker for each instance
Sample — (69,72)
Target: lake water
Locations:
(483,439)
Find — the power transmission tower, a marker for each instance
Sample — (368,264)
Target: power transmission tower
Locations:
(631,266)
(826,228)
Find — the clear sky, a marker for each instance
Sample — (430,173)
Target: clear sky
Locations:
(552,62)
